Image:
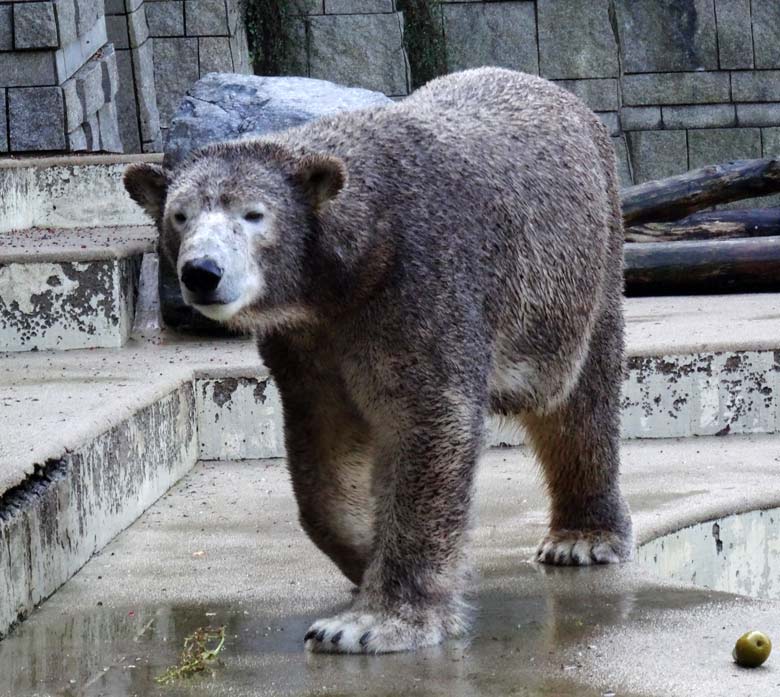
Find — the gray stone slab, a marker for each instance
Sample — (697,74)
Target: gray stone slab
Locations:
(92,132)
(766,29)
(676,88)
(735,41)
(350,7)
(115,7)
(165,18)
(36,119)
(576,39)
(34,25)
(88,12)
(307,7)
(66,21)
(623,166)
(27,68)
(758,114)
(610,120)
(239,50)
(770,141)
(77,140)
(713,146)
(89,84)
(146,93)
(214,54)
(359,51)
(127,108)
(3,122)
(110,140)
(699,116)
(640,118)
(110,74)
(116,28)
(599,95)
(501,33)
(175,71)
(657,154)
(756,86)
(137,27)
(6,35)
(661,35)
(74,107)
(71,57)
(206,18)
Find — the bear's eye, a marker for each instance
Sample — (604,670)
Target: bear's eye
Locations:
(180,217)
(253,216)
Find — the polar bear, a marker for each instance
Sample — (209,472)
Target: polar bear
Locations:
(408,270)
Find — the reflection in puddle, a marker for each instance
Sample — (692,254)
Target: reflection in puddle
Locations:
(531,638)
(737,554)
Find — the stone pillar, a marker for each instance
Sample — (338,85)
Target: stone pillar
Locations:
(58,78)
(139,119)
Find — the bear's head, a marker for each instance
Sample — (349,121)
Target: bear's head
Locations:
(235,220)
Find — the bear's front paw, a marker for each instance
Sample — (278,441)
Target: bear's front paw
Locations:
(381,632)
(583,548)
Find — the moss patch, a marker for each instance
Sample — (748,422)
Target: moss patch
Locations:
(271,36)
(424,39)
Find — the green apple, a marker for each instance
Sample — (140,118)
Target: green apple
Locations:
(752,649)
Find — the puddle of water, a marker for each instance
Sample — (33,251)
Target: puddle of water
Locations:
(530,646)
(737,554)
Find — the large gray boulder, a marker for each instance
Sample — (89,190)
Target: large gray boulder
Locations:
(224,106)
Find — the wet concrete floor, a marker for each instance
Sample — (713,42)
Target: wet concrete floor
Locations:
(224,548)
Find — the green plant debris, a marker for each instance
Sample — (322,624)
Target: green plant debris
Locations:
(200,648)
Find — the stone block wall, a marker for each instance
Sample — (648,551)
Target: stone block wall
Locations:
(139,118)
(58,77)
(679,83)
(106,75)
(192,38)
(358,43)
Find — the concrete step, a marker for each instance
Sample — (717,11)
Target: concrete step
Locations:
(223,547)
(60,192)
(70,288)
(90,438)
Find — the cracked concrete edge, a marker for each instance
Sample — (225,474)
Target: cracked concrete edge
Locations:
(54,522)
(702,394)
(74,159)
(38,246)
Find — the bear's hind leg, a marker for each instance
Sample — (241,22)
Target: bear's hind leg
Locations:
(578,445)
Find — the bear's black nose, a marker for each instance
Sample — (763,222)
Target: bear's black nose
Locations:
(201,275)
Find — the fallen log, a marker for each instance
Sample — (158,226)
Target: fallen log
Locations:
(711,225)
(676,197)
(703,267)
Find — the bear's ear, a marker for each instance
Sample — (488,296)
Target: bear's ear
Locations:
(321,177)
(147,185)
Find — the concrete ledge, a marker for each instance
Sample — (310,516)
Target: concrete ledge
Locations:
(60,193)
(52,523)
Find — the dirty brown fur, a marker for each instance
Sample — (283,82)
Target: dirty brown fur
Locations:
(421,266)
